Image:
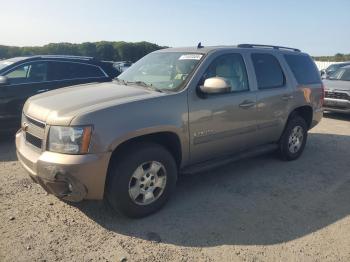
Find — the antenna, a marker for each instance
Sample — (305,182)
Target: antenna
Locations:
(200,45)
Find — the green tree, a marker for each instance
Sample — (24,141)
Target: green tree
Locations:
(105,51)
(88,49)
(114,51)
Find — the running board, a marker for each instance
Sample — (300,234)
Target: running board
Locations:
(210,164)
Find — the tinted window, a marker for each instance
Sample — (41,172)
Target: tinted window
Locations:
(268,71)
(303,68)
(66,70)
(231,67)
(110,70)
(28,73)
(346,75)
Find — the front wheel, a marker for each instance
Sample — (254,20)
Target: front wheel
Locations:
(293,140)
(141,181)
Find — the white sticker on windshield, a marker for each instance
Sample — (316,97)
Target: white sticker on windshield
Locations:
(191,57)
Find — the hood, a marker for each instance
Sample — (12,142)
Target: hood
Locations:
(60,106)
(334,85)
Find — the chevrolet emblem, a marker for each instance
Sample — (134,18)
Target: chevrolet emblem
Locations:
(25,126)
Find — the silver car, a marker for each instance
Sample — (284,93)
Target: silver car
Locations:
(337,91)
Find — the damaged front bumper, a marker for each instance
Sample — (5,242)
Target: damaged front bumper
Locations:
(70,177)
(62,185)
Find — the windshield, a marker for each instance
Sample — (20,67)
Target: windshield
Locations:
(332,68)
(335,67)
(164,71)
(5,63)
(341,74)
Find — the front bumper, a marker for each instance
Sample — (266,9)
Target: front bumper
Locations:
(336,105)
(70,177)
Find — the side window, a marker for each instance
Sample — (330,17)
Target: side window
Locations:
(231,67)
(28,73)
(59,71)
(67,70)
(268,71)
(82,71)
(304,69)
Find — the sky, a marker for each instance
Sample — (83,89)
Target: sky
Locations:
(320,27)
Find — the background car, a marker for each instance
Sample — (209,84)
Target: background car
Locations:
(122,65)
(22,77)
(330,70)
(337,91)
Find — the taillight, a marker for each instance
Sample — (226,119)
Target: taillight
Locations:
(322,95)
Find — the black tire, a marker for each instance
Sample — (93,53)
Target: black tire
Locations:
(285,150)
(120,174)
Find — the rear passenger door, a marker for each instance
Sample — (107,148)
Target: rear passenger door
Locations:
(274,95)
(63,73)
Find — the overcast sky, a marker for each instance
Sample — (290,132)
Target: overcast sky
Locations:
(317,27)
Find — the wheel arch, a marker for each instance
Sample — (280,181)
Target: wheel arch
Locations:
(168,139)
(306,112)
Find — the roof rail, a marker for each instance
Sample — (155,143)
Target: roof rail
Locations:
(67,56)
(268,46)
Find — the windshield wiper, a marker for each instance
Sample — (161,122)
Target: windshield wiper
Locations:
(144,84)
(138,83)
(120,81)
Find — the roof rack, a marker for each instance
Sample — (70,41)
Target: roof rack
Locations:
(269,46)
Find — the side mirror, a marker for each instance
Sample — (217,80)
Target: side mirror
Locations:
(3,80)
(215,85)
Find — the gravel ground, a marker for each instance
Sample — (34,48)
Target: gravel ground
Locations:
(259,209)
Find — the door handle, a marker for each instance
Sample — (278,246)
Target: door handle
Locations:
(247,104)
(42,90)
(287,97)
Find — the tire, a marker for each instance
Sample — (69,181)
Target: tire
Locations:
(128,174)
(291,145)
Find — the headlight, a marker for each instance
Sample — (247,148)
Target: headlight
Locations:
(69,140)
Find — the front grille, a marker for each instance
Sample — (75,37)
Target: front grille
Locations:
(337,95)
(34,131)
(36,122)
(35,141)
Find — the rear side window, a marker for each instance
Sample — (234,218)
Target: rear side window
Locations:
(110,69)
(67,70)
(304,70)
(268,71)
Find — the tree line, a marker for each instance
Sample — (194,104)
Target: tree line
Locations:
(112,51)
(336,58)
(104,50)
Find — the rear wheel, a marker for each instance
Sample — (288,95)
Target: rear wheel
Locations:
(293,140)
(141,181)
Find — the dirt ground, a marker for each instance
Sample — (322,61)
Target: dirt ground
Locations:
(259,209)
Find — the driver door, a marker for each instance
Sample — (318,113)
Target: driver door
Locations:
(222,124)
